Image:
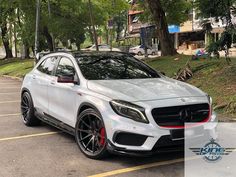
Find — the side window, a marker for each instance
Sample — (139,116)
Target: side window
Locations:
(65,68)
(47,66)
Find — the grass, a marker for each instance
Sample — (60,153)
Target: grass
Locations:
(15,67)
(213,76)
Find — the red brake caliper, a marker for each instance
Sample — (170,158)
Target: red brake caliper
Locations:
(102,133)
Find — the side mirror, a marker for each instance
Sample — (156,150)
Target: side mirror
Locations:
(66,79)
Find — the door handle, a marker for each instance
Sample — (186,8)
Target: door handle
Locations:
(34,77)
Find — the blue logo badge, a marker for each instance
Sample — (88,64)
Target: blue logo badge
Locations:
(212,151)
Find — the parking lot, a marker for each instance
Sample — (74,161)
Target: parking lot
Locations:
(46,151)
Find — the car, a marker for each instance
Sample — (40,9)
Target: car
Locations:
(111,102)
(102,47)
(139,50)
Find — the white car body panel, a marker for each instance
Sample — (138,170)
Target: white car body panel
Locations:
(60,109)
(39,87)
(144,89)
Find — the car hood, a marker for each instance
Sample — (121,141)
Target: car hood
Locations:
(144,89)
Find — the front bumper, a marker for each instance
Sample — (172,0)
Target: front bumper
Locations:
(150,136)
(150,139)
(163,145)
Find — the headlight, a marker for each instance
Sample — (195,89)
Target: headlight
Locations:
(129,110)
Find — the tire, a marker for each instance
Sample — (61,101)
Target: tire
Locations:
(90,134)
(27,110)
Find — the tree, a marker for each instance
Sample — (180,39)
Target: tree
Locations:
(167,45)
(220,10)
(115,10)
(120,23)
(63,22)
(162,13)
(5,10)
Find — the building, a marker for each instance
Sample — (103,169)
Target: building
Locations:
(187,36)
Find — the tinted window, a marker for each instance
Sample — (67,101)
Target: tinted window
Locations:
(65,68)
(47,66)
(114,67)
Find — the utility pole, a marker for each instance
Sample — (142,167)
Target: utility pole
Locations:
(36,45)
(50,18)
(93,26)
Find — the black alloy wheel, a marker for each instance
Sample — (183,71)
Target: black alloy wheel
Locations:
(27,110)
(91,135)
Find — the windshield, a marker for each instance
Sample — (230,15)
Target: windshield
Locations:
(114,67)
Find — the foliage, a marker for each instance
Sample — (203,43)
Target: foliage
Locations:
(62,22)
(224,43)
(176,11)
(219,9)
(223,10)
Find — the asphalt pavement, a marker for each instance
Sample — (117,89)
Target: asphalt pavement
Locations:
(44,151)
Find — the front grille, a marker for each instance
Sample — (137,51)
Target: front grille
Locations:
(178,115)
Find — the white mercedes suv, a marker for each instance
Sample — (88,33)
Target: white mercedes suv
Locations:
(111,102)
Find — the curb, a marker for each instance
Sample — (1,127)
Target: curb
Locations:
(12,77)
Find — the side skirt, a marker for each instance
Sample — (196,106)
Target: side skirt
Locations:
(55,123)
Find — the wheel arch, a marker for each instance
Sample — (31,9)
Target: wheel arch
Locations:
(23,90)
(85,106)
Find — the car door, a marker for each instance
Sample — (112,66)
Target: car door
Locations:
(62,96)
(41,78)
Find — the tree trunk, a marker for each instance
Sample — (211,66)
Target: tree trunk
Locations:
(27,52)
(5,41)
(48,37)
(167,45)
(107,36)
(93,25)
(15,40)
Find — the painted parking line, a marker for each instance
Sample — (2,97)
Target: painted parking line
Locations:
(29,136)
(140,167)
(8,115)
(14,101)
